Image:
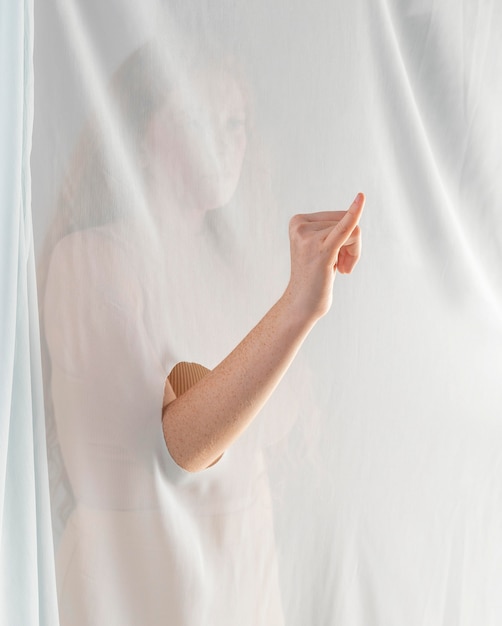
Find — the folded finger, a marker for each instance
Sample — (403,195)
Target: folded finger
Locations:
(348,258)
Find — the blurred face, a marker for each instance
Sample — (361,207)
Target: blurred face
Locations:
(197,141)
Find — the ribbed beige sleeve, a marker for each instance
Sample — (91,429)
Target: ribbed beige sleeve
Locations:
(184,375)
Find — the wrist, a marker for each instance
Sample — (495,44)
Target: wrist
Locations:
(297,311)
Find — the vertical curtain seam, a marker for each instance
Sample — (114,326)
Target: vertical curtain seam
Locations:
(27,125)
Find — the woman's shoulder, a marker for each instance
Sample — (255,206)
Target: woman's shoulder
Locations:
(106,243)
(99,260)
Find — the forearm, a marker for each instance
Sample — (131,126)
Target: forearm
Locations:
(203,422)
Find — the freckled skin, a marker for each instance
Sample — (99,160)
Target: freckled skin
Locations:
(202,423)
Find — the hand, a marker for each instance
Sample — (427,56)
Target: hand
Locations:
(322,243)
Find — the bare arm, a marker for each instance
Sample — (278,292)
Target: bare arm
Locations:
(203,422)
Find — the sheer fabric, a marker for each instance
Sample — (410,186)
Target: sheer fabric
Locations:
(173,142)
(27,585)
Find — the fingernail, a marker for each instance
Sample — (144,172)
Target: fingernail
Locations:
(358,198)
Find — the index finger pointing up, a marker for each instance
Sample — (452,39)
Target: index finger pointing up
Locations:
(342,231)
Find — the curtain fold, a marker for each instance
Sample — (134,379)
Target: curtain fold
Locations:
(27,588)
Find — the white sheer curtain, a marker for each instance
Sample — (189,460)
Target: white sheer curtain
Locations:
(27,584)
(173,141)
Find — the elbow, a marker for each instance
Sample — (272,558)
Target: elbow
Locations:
(189,452)
(179,453)
(186,462)
(193,463)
